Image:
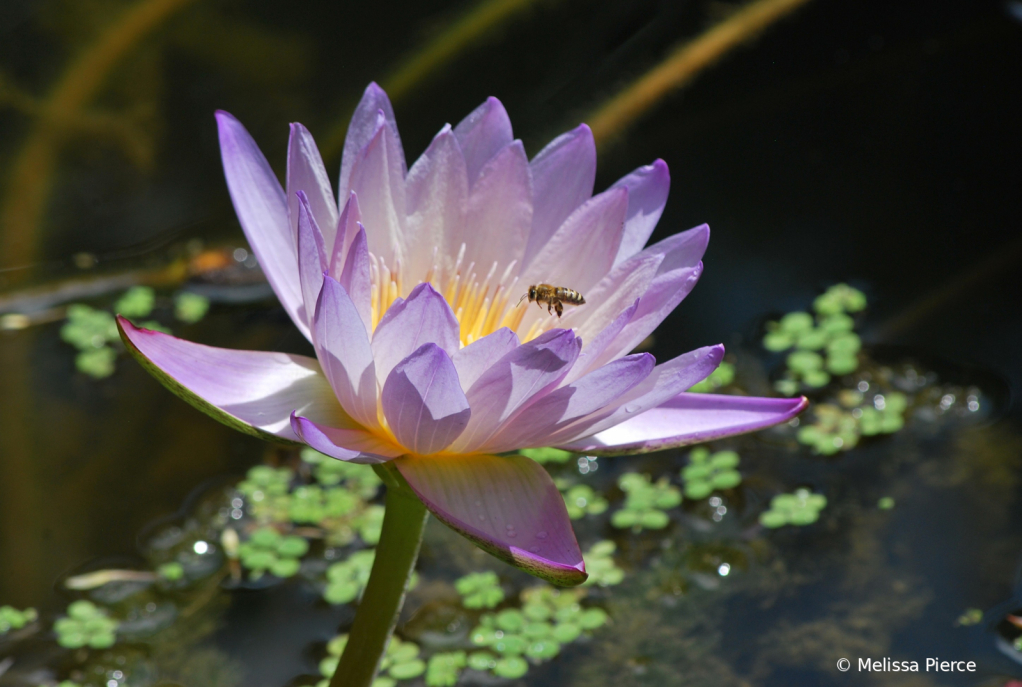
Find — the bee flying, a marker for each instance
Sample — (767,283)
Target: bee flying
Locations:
(553,296)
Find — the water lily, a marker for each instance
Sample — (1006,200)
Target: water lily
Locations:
(407,285)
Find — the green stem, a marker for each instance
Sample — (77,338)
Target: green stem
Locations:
(378,611)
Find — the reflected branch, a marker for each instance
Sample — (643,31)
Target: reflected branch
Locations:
(684,64)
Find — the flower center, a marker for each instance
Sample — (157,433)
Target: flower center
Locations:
(482,303)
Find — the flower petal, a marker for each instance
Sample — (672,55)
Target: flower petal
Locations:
(506,505)
(311,255)
(424,317)
(436,195)
(529,371)
(305,172)
(349,445)
(423,401)
(343,349)
(251,391)
(499,209)
(580,253)
(363,127)
(474,359)
(378,177)
(261,207)
(562,179)
(356,277)
(563,406)
(689,419)
(348,225)
(664,382)
(485,131)
(647,194)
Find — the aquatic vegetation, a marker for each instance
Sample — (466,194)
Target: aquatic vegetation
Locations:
(799,508)
(707,472)
(85,625)
(347,579)
(830,332)
(718,379)
(645,502)
(547,454)
(190,307)
(13,619)
(266,550)
(885,503)
(443,669)
(400,662)
(603,571)
(582,500)
(480,589)
(138,301)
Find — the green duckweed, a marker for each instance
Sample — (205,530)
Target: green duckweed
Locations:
(709,471)
(581,500)
(85,625)
(480,589)
(645,502)
(799,508)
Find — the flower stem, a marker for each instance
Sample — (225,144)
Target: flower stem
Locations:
(377,614)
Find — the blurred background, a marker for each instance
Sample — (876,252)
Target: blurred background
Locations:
(824,141)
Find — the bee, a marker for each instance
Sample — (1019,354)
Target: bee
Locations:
(553,296)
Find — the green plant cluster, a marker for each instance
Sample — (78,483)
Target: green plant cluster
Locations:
(800,508)
(645,502)
(839,427)
(267,550)
(94,332)
(400,662)
(824,345)
(549,618)
(547,455)
(480,589)
(707,472)
(13,619)
(444,668)
(719,378)
(346,579)
(603,572)
(582,500)
(85,625)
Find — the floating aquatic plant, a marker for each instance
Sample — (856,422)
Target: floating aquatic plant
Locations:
(603,571)
(400,662)
(268,551)
(547,454)
(824,345)
(709,471)
(13,619)
(582,500)
(190,307)
(799,508)
(645,502)
(480,589)
(444,669)
(346,579)
(85,625)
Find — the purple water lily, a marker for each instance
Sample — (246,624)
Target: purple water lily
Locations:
(408,289)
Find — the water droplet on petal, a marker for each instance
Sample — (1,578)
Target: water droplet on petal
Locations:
(541,534)
(534,549)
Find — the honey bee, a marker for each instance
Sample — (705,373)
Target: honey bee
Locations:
(553,296)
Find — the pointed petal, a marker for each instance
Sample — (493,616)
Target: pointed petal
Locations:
(342,347)
(356,278)
(563,406)
(348,225)
(647,194)
(499,208)
(251,391)
(580,253)
(690,419)
(527,372)
(562,179)
(378,177)
(425,317)
(349,445)
(436,196)
(310,254)
(305,172)
(665,382)
(362,128)
(261,207)
(423,401)
(474,359)
(506,505)
(591,356)
(485,131)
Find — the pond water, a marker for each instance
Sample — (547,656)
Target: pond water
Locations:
(858,143)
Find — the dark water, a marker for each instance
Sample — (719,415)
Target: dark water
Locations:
(876,143)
